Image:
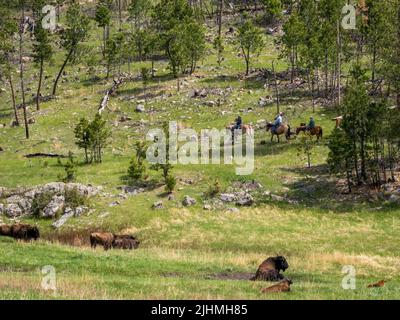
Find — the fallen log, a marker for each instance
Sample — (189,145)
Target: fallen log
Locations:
(117,83)
(45,155)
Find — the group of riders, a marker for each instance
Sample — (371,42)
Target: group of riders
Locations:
(278,122)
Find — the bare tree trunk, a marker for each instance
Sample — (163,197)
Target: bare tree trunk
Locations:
(39,86)
(276,89)
(61,71)
(13,100)
(21,73)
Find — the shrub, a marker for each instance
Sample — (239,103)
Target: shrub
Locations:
(213,190)
(170,183)
(40,201)
(74,199)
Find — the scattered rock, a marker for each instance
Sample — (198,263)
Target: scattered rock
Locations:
(207,207)
(233,210)
(114,204)
(80,210)
(1,208)
(241,198)
(188,201)
(24,203)
(140,108)
(227,197)
(158,205)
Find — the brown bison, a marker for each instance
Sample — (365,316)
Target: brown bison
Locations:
(103,239)
(20,231)
(270,269)
(125,243)
(283,286)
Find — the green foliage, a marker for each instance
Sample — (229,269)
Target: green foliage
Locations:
(273,10)
(250,40)
(181,36)
(92,137)
(40,201)
(74,199)
(137,167)
(213,190)
(306,147)
(170,183)
(69,168)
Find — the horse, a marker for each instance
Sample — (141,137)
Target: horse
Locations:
(246,129)
(316,131)
(338,121)
(283,129)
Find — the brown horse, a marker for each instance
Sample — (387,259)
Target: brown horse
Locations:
(317,131)
(246,130)
(283,129)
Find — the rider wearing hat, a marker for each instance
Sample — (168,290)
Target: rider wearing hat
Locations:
(311,124)
(238,124)
(278,121)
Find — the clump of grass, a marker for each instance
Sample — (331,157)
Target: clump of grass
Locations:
(74,199)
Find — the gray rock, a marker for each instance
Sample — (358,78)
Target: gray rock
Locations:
(1,208)
(188,201)
(244,199)
(69,213)
(207,207)
(233,210)
(80,210)
(394,198)
(56,205)
(13,211)
(227,197)
(114,204)
(277,198)
(140,108)
(22,202)
(158,205)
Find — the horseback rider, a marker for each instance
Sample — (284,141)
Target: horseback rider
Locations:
(278,121)
(311,124)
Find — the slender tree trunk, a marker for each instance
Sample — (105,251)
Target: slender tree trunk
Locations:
(13,100)
(61,71)
(39,86)
(276,90)
(21,73)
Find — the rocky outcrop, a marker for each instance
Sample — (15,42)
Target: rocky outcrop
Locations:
(240,198)
(18,202)
(188,201)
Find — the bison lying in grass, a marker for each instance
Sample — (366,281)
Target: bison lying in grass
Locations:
(270,269)
(20,231)
(109,240)
(283,286)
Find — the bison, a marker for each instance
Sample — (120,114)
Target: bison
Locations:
(104,239)
(5,230)
(125,243)
(283,286)
(20,231)
(270,269)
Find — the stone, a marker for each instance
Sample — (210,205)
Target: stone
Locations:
(227,197)
(244,199)
(274,197)
(55,206)
(13,211)
(114,204)
(158,205)
(207,207)
(21,202)
(140,108)
(188,201)
(233,210)
(80,210)
(1,208)
(394,198)
(69,213)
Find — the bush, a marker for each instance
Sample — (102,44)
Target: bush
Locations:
(40,201)
(170,183)
(213,190)
(74,199)
(137,167)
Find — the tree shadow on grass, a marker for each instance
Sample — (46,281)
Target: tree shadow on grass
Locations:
(318,190)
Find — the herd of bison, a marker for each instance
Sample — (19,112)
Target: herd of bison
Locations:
(269,270)
(107,240)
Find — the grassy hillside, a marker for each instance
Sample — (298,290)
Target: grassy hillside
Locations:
(190,252)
